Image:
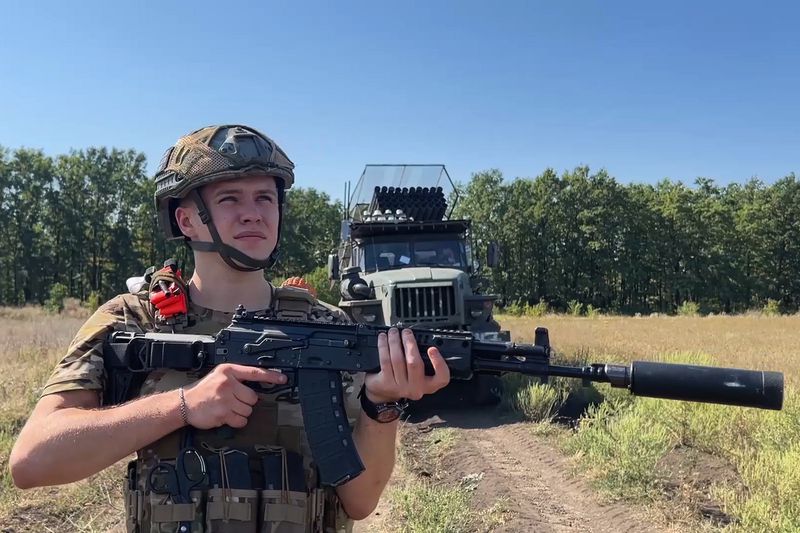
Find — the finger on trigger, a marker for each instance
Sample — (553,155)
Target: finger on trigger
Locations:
(262,375)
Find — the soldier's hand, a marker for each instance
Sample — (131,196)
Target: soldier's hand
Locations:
(221,398)
(402,372)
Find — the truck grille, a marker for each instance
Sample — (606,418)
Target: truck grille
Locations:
(425,304)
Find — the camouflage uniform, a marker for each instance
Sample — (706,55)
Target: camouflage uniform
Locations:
(274,425)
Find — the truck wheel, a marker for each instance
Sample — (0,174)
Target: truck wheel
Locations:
(479,391)
(488,389)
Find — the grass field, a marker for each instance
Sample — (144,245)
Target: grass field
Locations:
(746,461)
(637,440)
(31,342)
(744,341)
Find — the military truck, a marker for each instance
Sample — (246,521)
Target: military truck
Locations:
(403,260)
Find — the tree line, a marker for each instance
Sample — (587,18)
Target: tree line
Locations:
(584,238)
(85,222)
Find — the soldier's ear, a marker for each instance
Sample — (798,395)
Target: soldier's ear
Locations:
(187,219)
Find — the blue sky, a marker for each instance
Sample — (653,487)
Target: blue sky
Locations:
(646,90)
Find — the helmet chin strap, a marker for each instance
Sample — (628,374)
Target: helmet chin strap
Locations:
(233,258)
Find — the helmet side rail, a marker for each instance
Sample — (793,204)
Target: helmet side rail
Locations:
(312,355)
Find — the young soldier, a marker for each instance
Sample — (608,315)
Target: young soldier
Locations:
(221,189)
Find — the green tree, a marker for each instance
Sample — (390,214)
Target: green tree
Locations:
(28,176)
(309,233)
(483,200)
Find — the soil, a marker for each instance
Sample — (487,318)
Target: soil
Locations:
(689,474)
(539,484)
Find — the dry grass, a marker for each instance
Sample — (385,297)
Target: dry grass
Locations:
(31,342)
(745,341)
(633,438)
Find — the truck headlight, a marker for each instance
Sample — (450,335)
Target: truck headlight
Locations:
(368,314)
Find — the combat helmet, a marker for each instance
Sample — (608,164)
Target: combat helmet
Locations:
(211,154)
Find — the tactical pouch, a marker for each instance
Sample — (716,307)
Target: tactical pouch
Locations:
(284,502)
(284,511)
(134,504)
(232,511)
(166,516)
(229,469)
(333,516)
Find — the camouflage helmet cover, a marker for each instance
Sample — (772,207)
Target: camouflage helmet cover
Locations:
(215,153)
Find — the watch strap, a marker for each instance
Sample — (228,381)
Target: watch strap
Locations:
(379,411)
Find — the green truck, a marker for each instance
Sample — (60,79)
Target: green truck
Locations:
(403,261)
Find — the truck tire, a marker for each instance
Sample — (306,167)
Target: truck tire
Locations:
(481,390)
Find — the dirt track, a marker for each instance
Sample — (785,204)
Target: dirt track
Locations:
(525,470)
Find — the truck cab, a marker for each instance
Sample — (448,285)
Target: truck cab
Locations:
(403,261)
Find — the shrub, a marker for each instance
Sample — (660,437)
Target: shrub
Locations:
(689,308)
(771,308)
(55,302)
(575,308)
(592,311)
(537,310)
(539,402)
(93,301)
(318,278)
(515,308)
(624,444)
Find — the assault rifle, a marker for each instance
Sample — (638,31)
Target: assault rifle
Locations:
(313,354)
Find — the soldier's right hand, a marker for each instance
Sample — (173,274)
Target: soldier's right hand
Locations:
(222,398)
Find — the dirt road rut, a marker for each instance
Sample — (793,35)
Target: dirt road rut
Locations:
(511,463)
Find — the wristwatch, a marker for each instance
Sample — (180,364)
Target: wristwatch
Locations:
(381,412)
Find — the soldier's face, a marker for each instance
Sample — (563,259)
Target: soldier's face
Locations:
(245,213)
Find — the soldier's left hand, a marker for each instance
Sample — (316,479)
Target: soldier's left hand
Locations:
(402,372)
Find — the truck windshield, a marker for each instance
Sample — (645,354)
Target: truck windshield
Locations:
(389,255)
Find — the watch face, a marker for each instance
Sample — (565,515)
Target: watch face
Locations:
(388,414)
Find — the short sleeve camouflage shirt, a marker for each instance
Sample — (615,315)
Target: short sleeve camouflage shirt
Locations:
(280,422)
(81,368)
